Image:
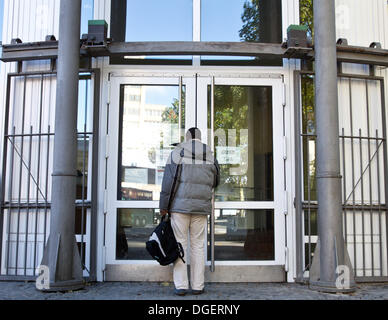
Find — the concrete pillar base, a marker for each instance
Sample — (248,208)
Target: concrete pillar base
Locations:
(57,280)
(346,286)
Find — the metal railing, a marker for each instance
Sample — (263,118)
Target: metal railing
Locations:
(26,173)
(363,153)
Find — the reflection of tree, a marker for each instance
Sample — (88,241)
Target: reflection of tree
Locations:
(171,116)
(171,113)
(308,114)
(250,18)
(231,112)
(306,14)
(262,21)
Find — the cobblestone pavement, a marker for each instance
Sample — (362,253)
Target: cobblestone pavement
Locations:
(214,291)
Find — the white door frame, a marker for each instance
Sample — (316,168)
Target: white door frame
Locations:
(278,165)
(112,204)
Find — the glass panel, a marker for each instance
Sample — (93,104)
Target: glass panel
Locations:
(134,227)
(149,116)
(152,20)
(1,21)
(306,16)
(155,20)
(84,124)
(241,20)
(243,235)
(308,127)
(313,225)
(309,249)
(243,142)
(86,14)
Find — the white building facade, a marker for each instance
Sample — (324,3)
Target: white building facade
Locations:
(257,114)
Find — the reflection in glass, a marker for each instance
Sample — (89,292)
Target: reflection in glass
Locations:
(155,20)
(134,227)
(243,235)
(308,127)
(241,20)
(84,125)
(243,142)
(149,116)
(152,20)
(86,14)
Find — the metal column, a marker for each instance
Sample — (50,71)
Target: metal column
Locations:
(330,252)
(61,254)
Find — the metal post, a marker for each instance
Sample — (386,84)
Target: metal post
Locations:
(61,253)
(331,252)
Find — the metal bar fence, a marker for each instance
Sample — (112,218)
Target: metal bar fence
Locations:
(25,185)
(365,233)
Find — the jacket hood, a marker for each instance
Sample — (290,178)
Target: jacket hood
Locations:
(195,149)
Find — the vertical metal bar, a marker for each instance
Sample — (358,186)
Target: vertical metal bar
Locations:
(46,189)
(370,174)
(196,99)
(212,113)
(28,203)
(10,199)
(384,121)
(180,110)
(212,218)
(379,203)
(94,177)
(4,167)
(362,204)
(83,173)
(20,174)
(299,231)
(308,200)
(38,172)
(344,185)
(353,193)
(212,231)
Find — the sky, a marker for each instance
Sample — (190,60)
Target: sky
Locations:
(168,20)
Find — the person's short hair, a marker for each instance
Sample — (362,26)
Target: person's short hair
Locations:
(193,133)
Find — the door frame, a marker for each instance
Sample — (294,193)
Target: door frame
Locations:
(116,269)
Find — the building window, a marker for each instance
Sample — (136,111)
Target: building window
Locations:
(243,235)
(306,16)
(243,142)
(1,20)
(148,128)
(177,20)
(152,20)
(241,20)
(86,14)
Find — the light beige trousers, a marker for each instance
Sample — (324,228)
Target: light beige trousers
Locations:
(194,225)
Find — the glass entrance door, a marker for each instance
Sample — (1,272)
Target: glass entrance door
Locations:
(244,125)
(241,120)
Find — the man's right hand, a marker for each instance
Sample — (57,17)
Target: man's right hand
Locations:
(163,212)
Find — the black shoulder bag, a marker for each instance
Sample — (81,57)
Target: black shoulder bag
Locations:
(162,244)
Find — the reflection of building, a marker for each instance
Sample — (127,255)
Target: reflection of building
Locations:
(142,165)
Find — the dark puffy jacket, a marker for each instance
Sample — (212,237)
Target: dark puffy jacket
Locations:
(197,175)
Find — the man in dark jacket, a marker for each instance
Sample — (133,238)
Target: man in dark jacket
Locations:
(190,176)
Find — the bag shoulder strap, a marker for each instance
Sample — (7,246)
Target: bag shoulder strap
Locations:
(174,184)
